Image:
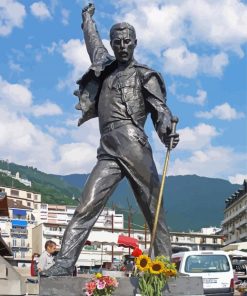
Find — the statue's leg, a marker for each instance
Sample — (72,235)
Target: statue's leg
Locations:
(143,177)
(101,183)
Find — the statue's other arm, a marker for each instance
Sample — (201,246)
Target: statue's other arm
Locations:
(155,96)
(95,47)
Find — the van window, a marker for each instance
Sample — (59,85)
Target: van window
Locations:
(206,263)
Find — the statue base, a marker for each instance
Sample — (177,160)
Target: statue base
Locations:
(74,286)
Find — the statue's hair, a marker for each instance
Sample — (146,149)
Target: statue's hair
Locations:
(121,27)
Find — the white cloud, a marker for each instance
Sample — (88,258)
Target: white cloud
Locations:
(76,157)
(238,179)
(15,96)
(223,112)
(196,154)
(15,67)
(40,10)
(182,25)
(75,54)
(214,65)
(200,99)
(180,61)
(65,16)
(211,161)
(191,139)
(25,143)
(12,15)
(46,109)
(57,131)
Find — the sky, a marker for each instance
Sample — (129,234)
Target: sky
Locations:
(199,47)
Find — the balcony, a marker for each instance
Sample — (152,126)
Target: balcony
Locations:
(14,231)
(241,223)
(235,214)
(53,233)
(243,235)
(21,246)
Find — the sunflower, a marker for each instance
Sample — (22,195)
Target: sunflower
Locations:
(156,267)
(143,262)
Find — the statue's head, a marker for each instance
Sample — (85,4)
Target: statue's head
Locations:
(123,41)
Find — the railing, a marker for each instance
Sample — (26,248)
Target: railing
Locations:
(21,246)
(235,214)
(54,233)
(242,222)
(19,231)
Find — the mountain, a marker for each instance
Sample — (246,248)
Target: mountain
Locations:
(190,202)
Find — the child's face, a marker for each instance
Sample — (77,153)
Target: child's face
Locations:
(51,249)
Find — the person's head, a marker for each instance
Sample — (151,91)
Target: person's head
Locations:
(123,41)
(50,246)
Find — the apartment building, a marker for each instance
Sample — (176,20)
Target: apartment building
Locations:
(234,225)
(24,214)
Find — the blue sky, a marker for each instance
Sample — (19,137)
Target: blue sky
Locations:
(198,46)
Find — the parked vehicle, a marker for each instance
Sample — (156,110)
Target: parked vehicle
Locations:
(214,267)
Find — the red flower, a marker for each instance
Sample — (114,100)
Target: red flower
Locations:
(137,252)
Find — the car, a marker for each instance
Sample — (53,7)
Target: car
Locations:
(214,267)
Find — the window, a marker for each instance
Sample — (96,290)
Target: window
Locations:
(29,195)
(206,263)
(23,254)
(2,190)
(35,206)
(14,192)
(215,240)
(28,204)
(14,242)
(35,197)
(23,242)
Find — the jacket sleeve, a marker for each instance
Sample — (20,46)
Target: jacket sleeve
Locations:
(155,95)
(95,47)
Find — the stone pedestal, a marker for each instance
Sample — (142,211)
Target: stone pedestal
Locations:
(74,286)
(11,282)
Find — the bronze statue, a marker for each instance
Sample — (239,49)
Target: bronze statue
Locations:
(121,93)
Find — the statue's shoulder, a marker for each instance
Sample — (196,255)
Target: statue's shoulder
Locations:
(147,72)
(152,81)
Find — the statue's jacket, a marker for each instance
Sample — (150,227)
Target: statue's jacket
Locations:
(143,91)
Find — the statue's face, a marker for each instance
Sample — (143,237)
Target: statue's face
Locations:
(123,45)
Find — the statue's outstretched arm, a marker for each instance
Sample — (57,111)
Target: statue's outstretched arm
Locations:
(95,47)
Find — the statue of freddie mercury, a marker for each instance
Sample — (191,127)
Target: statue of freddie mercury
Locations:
(121,93)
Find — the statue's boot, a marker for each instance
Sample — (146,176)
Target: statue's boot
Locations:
(56,270)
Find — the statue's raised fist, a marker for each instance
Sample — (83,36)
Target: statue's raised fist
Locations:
(90,8)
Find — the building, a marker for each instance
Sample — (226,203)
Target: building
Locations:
(24,214)
(28,199)
(57,219)
(234,225)
(16,230)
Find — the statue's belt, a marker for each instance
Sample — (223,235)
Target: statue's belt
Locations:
(113,125)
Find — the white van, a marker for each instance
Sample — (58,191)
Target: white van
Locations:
(214,267)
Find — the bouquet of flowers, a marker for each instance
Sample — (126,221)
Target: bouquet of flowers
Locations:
(101,285)
(242,288)
(153,274)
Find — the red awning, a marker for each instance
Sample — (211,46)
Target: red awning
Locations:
(127,242)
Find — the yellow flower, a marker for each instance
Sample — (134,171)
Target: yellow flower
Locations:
(143,262)
(170,272)
(98,275)
(156,267)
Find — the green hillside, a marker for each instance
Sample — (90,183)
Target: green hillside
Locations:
(53,188)
(191,202)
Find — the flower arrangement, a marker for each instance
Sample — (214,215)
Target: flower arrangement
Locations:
(153,274)
(101,285)
(242,288)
